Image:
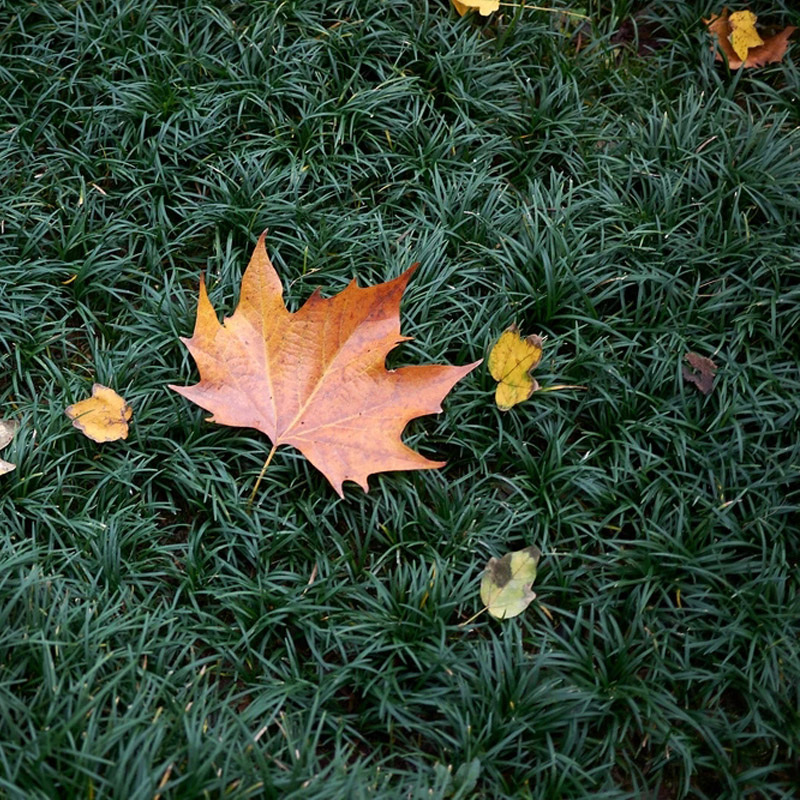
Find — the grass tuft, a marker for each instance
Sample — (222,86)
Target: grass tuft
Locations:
(159,637)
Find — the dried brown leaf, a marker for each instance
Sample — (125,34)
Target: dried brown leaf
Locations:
(726,35)
(700,372)
(643,31)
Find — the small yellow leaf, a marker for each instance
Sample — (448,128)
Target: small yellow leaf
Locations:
(506,584)
(511,361)
(102,417)
(483,7)
(743,33)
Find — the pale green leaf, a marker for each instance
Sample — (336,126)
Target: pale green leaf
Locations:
(506,585)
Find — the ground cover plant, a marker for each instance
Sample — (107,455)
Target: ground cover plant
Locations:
(161,638)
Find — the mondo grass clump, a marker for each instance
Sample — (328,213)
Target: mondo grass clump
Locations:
(160,638)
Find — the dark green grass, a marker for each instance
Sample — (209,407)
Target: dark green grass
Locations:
(157,637)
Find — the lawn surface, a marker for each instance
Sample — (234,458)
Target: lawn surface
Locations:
(159,640)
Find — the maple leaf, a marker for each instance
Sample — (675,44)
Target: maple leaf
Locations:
(316,378)
(740,42)
(103,417)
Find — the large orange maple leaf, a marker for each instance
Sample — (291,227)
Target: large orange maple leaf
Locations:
(316,379)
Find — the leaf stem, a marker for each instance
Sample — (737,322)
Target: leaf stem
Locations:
(561,386)
(261,475)
(473,617)
(524,5)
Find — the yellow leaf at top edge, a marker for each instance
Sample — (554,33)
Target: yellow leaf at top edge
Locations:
(483,7)
(506,583)
(510,362)
(743,33)
(103,417)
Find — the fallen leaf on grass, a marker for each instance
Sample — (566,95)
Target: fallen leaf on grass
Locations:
(743,36)
(700,372)
(506,584)
(103,417)
(8,427)
(742,46)
(316,379)
(483,7)
(511,362)
(642,30)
